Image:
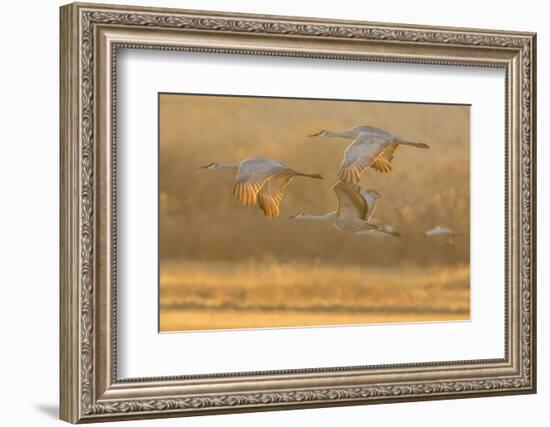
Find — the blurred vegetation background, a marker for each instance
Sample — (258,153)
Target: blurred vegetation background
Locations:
(201,220)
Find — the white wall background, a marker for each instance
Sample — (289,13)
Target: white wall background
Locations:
(29,170)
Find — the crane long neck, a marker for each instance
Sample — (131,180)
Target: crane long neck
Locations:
(341,134)
(327,217)
(228,165)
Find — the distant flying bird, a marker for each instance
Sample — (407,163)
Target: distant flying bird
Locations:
(446,232)
(372,147)
(261,179)
(352,212)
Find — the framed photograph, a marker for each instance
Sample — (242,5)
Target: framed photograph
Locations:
(266,212)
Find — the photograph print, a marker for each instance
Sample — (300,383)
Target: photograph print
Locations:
(292,212)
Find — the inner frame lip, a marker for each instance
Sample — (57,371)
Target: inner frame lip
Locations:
(467,364)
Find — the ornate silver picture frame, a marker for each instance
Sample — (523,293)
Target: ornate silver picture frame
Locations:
(91,35)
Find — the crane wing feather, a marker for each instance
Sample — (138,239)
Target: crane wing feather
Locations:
(371,202)
(359,156)
(271,194)
(350,201)
(252,175)
(383,162)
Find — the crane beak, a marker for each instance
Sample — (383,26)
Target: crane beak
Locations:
(203,167)
(293,216)
(315,134)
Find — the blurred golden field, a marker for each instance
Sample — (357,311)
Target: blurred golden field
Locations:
(224,266)
(226,295)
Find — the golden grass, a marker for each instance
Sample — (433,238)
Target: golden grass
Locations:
(224,295)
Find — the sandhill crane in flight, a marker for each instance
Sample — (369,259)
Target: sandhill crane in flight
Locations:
(352,212)
(446,232)
(372,147)
(261,179)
